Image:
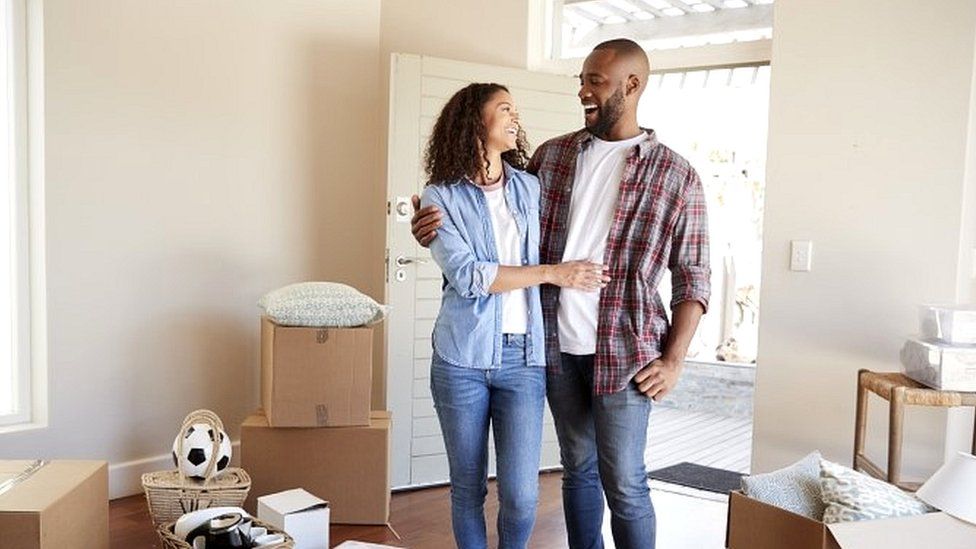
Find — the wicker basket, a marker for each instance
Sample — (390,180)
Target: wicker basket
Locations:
(171,494)
(170,541)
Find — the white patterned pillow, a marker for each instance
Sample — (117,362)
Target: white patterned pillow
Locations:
(321,305)
(851,496)
(795,488)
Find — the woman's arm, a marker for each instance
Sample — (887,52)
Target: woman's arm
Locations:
(452,253)
(582,275)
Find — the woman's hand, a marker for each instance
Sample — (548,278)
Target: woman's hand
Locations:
(580,275)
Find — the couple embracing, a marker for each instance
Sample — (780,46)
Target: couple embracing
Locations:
(551,267)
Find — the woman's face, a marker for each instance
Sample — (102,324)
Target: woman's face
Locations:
(501,120)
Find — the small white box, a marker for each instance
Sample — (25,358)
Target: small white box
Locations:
(955,324)
(939,365)
(300,514)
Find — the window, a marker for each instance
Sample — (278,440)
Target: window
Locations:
(717,119)
(656,24)
(18,376)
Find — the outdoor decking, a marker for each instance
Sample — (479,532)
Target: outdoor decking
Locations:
(705,438)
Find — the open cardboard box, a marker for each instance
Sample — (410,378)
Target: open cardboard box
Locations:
(753,524)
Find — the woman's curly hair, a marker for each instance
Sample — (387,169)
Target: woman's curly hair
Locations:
(453,150)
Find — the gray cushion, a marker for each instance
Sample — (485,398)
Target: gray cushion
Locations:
(321,304)
(795,488)
(852,496)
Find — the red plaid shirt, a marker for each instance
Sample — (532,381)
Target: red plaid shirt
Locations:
(660,222)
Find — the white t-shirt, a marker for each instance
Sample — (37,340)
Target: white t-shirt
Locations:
(596,187)
(515,314)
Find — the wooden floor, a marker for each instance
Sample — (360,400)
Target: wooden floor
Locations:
(674,436)
(422,517)
(686,519)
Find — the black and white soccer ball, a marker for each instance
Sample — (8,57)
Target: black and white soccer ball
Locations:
(198,451)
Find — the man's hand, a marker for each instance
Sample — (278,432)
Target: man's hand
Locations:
(658,378)
(425,222)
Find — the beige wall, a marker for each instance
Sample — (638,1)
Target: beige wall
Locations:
(199,154)
(870,103)
(469,30)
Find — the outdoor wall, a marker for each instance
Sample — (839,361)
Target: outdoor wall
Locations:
(198,154)
(869,121)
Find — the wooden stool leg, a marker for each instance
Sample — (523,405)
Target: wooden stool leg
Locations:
(896,415)
(860,419)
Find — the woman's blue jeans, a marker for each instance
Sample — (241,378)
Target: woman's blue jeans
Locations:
(511,399)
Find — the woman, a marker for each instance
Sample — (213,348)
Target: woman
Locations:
(488,361)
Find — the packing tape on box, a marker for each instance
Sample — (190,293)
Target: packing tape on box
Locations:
(32,468)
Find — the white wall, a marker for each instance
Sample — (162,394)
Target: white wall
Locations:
(199,154)
(870,104)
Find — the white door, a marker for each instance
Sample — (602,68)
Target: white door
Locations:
(419,87)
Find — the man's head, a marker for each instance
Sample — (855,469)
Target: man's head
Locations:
(614,76)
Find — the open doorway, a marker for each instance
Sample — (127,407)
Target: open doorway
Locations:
(708,100)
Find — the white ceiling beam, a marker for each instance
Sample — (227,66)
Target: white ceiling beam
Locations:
(692,24)
(583,13)
(621,12)
(680,5)
(642,4)
(717,4)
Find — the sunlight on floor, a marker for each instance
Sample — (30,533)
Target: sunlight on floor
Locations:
(686,518)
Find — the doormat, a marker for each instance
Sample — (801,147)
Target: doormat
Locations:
(701,477)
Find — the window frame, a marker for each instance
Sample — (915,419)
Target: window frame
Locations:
(28,320)
(544,43)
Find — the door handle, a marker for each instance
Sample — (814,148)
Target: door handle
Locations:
(402,260)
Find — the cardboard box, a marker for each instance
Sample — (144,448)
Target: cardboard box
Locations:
(753,524)
(756,525)
(940,365)
(58,505)
(316,377)
(301,515)
(349,466)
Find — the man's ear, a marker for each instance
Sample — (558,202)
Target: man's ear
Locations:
(633,84)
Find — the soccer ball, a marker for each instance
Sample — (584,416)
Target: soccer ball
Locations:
(198,449)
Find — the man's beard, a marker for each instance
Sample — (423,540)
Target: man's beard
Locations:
(608,115)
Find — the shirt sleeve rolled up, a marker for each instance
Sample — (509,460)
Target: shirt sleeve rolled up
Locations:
(468,276)
(689,259)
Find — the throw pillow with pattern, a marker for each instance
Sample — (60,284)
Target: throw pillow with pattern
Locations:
(795,488)
(321,305)
(852,496)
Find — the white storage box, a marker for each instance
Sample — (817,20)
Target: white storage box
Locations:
(954,324)
(300,514)
(939,365)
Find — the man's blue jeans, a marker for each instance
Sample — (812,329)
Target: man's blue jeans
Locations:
(512,398)
(602,441)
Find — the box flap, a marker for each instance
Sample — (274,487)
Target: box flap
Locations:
(46,485)
(292,501)
(929,530)
(257,419)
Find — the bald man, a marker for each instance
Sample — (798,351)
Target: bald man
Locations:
(611,193)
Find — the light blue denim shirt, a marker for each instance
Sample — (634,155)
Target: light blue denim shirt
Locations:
(468,330)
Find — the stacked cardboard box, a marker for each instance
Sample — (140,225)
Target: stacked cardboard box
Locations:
(315,429)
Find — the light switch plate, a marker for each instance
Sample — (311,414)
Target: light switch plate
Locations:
(801,255)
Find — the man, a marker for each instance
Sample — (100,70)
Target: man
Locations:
(612,194)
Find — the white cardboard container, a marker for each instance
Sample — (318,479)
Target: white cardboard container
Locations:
(955,324)
(302,515)
(939,365)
